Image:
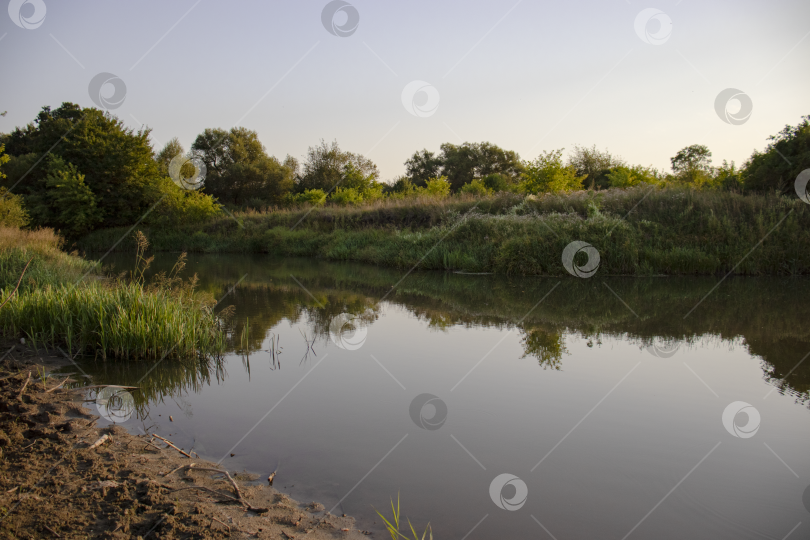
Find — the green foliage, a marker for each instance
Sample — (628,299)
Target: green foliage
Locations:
(594,165)
(548,174)
(327,167)
(12,211)
(638,231)
(499,182)
(476,187)
(64,201)
(172,149)
(239,171)
(315,197)
(623,176)
(693,165)
(346,196)
(126,320)
(438,188)
(117,164)
(422,166)
(180,206)
(776,168)
(264,180)
(728,177)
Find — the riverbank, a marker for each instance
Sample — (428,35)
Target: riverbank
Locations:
(63,476)
(56,299)
(637,231)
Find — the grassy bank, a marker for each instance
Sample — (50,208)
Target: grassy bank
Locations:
(638,231)
(62,303)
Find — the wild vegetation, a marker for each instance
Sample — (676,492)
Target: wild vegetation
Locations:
(474,207)
(63,302)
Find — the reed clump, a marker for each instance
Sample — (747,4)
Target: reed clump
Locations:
(124,317)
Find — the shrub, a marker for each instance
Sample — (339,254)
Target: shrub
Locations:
(181,206)
(346,197)
(437,188)
(548,174)
(476,187)
(12,212)
(311,197)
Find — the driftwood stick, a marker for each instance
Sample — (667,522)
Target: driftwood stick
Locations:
(173,446)
(57,386)
(99,442)
(24,386)
(18,283)
(178,468)
(213,519)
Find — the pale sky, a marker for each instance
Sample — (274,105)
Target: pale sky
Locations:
(527,75)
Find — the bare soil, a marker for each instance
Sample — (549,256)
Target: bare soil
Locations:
(58,481)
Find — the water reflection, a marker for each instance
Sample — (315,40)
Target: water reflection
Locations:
(764,315)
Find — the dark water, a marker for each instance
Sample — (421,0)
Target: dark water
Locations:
(603,398)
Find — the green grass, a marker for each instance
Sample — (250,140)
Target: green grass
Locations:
(112,322)
(102,318)
(638,231)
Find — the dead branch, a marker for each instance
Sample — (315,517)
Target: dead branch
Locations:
(19,397)
(173,446)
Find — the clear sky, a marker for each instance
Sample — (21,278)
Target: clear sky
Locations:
(528,76)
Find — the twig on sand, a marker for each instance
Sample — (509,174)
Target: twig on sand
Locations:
(173,446)
(57,386)
(99,442)
(241,500)
(53,532)
(19,397)
(213,519)
(178,468)
(18,283)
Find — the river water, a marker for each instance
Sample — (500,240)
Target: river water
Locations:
(502,407)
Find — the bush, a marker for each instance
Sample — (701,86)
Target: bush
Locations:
(310,197)
(181,206)
(12,212)
(476,187)
(437,188)
(548,174)
(346,197)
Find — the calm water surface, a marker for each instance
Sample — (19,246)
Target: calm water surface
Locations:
(601,398)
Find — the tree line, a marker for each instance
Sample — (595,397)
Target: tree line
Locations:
(80,169)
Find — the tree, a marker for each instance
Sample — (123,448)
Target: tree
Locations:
(327,167)
(64,202)
(548,174)
(594,165)
(462,163)
(239,171)
(784,158)
(117,163)
(257,182)
(422,166)
(172,149)
(693,164)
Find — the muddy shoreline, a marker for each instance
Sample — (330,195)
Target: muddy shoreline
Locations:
(61,476)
